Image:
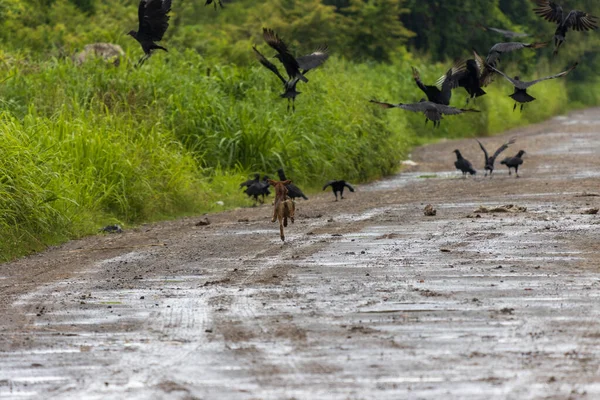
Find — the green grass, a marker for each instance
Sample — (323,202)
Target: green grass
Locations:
(85,146)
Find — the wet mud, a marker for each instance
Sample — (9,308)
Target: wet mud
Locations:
(367,299)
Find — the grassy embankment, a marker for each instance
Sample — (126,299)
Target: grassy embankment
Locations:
(84,146)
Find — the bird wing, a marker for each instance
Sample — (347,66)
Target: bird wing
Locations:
(314,59)
(515,83)
(452,75)
(560,74)
(349,186)
(502,148)
(431,91)
(512,46)
(485,153)
(279,45)
(451,110)
(581,21)
(384,105)
(549,10)
(421,106)
(263,60)
(328,184)
(506,33)
(153,18)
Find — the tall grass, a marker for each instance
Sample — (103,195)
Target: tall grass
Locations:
(82,146)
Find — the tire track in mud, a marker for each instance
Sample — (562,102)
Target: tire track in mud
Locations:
(368,299)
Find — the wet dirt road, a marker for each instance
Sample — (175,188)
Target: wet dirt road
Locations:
(368,299)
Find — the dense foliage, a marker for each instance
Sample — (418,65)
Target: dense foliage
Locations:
(86,145)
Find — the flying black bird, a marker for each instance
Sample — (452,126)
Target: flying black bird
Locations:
(506,33)
(575,19)
(494,54)
(249,182)
(520,94)
(433,112)
(291,65)
(214,2)
(154,21)
(514,162)
(467,74)
(433,93)
(338,186)
(306,63)
(463,164)
(259,188)
(293,190)
(489,161)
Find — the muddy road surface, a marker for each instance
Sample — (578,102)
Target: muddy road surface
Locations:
(368,299)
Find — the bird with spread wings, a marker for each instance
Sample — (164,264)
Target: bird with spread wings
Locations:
(489,161)
(296,68)
(574,19)
(520,94)
(433,112)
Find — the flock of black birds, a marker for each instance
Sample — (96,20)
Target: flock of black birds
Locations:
(475,73)
(259,189)
(472,74)
(466,167)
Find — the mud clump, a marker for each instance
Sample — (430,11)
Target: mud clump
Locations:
(203,222)
(508,208)
(429,211)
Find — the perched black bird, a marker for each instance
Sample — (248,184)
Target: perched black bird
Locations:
(506,33)
(575,19)
(498,50)
(520,94)
(249,182)
(489,161)
(433,93)
(514,162)
(293,190)
(338,186)
(154,21)
(259,188)
(214,2)
(306,63)
(433,112)
(463,164)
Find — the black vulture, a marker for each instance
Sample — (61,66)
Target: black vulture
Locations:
(291,65)
(250,181)
(467,74)
(506,33)
(306,63)
(463,164)
(520,94)
(489,161)
(514,162)
(208,2)
(154,21)
(433,93)
(338,186)
(433,112)
(496,51)
(293,190)
(259,188)
(574,19)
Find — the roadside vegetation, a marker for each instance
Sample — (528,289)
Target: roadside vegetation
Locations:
(82,146)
